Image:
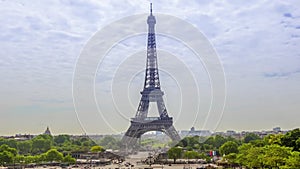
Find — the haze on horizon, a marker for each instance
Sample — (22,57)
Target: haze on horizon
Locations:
(257,43)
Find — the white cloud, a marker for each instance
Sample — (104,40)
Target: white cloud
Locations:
(40,42)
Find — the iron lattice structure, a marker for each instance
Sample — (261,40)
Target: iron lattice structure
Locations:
(152,92)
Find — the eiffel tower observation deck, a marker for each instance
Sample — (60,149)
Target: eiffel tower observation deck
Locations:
(152,92)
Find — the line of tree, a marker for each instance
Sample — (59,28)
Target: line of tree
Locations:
(44,148)
(9,156)
(272,151)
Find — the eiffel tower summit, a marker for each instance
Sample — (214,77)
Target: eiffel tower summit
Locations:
(152,92)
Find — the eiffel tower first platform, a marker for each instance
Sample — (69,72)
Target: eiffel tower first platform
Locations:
(152,92)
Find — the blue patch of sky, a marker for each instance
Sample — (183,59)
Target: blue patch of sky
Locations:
(281,74)
(288,15)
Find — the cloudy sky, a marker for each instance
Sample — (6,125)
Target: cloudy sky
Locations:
(257,43)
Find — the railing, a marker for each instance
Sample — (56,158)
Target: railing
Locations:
(151,119)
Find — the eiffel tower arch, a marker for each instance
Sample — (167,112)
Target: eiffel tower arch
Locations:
(152,92)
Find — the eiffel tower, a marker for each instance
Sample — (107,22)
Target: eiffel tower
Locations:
(152,92)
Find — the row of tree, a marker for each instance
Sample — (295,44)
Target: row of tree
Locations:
(45,148)
(251,151)
(272,151)
(43,143)
(10,155)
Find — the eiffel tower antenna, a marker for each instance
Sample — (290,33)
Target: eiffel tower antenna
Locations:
(150,8)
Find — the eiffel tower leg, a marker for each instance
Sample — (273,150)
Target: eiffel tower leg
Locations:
(131,137)
(161,107)
(128,142)
(172,133)
(142,111)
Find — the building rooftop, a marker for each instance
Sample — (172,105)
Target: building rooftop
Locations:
(47,132)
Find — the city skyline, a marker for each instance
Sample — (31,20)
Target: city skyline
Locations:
(257,43)
(184,132)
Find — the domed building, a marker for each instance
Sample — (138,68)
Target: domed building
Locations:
(47,132)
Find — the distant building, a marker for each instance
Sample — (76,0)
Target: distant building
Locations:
(277,129)
(230,132)
(47,132)
(193,132)
(23,137)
